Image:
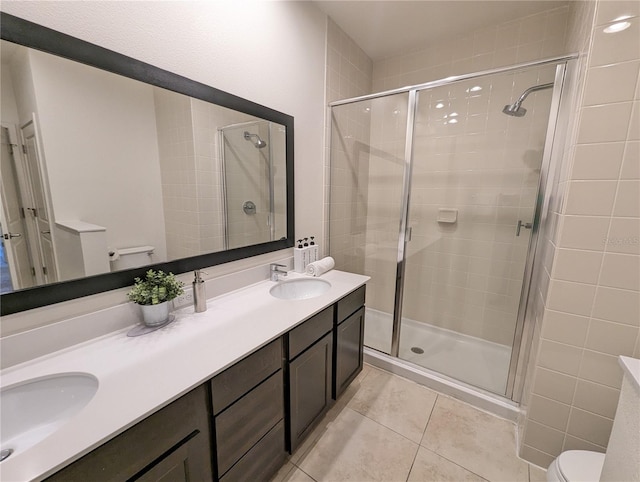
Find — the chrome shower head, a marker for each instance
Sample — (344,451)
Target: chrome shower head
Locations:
(258,143)
(516,109)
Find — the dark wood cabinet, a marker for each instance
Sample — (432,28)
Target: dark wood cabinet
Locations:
(248,408)
(349,337)
(172,444)
(309,374)
(348,340)
(309,388)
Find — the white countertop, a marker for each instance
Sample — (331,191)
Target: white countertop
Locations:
(139,375)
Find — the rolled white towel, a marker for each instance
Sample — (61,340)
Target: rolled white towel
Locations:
(318,268)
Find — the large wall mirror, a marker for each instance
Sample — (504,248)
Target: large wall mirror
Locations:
(110,165)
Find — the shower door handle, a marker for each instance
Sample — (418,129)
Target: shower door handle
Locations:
(522,225)
(408,233)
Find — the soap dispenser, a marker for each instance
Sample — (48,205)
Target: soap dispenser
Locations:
(199,294)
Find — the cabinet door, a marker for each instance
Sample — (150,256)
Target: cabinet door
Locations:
(183,423)
(309,388)
(177,466)
(349,351)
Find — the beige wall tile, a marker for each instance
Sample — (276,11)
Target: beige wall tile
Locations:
(554,385)
(576,265)
(609,10)
(630,164)
(621,271)
(543,438)
(559,357)
(575,443)
(611,83)
(634,123)
(609,48)
(618,305)
(624,236)
(589,426)
(597,161)
(536,456)
(565,327)
(611,338)
(583,232)
(591,198)
(601,368)
(596,398)
(628,199)
(549,412)
(593,129)
(570,297)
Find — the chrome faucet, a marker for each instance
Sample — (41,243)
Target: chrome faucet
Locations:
(276,272)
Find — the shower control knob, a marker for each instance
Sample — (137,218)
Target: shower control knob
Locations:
(522,225)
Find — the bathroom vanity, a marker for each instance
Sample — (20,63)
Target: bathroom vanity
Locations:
(248,379)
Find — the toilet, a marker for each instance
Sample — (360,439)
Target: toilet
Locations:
(127,258)
(576,466)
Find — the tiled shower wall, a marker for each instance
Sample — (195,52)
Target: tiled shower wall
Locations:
(592,298)
(348,74)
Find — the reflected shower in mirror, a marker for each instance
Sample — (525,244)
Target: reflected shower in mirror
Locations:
(254,182)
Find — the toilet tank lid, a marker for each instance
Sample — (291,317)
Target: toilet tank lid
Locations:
(582,465)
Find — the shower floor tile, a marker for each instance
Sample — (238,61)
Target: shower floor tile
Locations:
(364,438)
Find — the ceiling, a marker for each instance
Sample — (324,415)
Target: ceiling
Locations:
(385,28)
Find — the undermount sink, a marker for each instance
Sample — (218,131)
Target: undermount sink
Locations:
(34,409)
(300,289)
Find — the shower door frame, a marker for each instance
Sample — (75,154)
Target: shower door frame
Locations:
(564,65)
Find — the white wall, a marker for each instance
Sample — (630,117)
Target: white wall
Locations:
(103,169)
(272,53)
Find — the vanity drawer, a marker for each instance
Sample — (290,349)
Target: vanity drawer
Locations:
(350,303)
(263,460)
(238,379)
(306,334)
(245,422)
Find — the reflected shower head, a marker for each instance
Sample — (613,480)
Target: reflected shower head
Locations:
(516,109)
(258,143)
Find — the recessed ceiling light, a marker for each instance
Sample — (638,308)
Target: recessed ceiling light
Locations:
(617,27)
(621,17)
(475,88)
(453,114)
(453,121)
(439,105)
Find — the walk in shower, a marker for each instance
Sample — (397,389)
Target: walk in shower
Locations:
(436,193)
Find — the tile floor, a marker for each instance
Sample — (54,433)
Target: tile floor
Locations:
(387,428)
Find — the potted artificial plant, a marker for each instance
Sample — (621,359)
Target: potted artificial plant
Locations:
(153,294)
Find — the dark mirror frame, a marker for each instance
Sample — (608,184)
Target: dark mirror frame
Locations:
(28,34)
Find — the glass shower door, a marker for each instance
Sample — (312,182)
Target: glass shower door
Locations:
(475,177)
(367,170)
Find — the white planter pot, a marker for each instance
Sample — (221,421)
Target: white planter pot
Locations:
(154,315)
